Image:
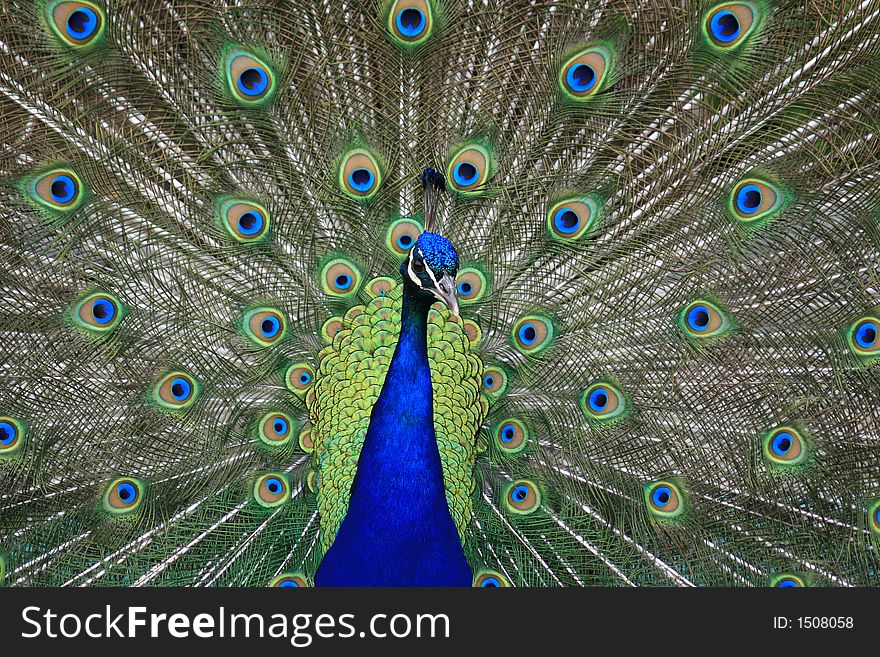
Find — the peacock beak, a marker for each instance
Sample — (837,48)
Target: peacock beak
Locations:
(445,291)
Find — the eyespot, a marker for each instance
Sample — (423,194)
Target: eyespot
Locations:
(664,499)
(532,334)
(471,285)
(410,21)
(78,24)
(863,336)
(330,328)
(727,25)
(469,169)
(299,378)
(522,497)
(754,199)
(276,429)
(123,495)
(250,80)
(59,189)
(98,313)
(245,221)
(473,332)
(570,219)
(787,581)
(359,174)
(340,278)
(402,236)
(306,441)
(494,382)
(12,436)
(264,326)
(603,401)
(786,446)
(176,391)
(874,516)
(511,436)
(490,579)
(289,581)
(583,75)
(272,490)
(380,286)
(704,319)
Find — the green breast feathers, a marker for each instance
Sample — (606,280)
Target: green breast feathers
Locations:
(350,375)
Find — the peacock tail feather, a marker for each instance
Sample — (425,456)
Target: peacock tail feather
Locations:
(665,371)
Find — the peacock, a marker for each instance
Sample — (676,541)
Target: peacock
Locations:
(439,293)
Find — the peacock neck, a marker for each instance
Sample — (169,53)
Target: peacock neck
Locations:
(398,530)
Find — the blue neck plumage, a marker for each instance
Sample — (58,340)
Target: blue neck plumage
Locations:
(398,530)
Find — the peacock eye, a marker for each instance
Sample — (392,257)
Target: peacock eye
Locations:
(175,391)
(250,80)
(289,581)
(785,447)
(572,218)
(12,433)
(603,401)
(703,319)
(340,278)
(471,285)
(490,579)
(359,174)
(788,581)
(754,199)
(272,490)
(245,221)
(494,382)
(98,313)
(664,499)
(60,189)
(511,436)
(469,168)
(275,429)
(264,326)
(728,24)
(522,497)
(864,336)
(584,74)
(299,378)
(78,24)
(410,21)
(123,496)
(533,334)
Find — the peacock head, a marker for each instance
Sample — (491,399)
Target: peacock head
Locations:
(430,268)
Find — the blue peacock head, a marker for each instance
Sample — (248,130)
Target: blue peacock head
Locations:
(432,264)
(430,269)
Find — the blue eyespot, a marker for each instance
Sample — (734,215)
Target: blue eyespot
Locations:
(527,334)
(180,389)
(580,78)
(598,399)
(698,318)
(8,433)
(270,326)
(748,199)
(343,281)
(405,241)
(490,581)
(782,443)
(508,432)
(305,377)
(661,496)
(410,22)
(126,492)
(465,288)
(103,310)
(63,189)
(787,583)
(866,334)
(361,180)
(280,426)
(488,381)
(82,23)
(566,221)
(253,81)
(288,584)
(250,223)
(465,174)
(519,493)
(724,26)
(274,485)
